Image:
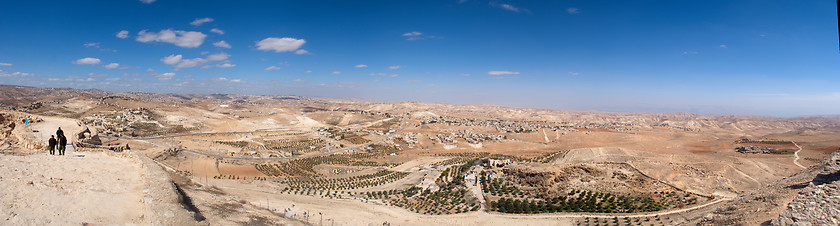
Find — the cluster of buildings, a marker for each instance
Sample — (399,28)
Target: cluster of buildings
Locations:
(666,125)
(117,121)
(410,139)
(752,149)
(521,126)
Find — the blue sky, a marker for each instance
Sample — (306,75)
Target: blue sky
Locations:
(776,58)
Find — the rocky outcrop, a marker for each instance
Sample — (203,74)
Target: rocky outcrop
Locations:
(819,203)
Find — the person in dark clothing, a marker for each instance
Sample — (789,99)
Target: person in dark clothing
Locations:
(52,145)
(62,144)
(59,133)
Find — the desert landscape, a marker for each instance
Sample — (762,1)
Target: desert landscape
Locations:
(172,159)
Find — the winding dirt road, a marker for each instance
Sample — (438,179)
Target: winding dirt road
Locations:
(796,155)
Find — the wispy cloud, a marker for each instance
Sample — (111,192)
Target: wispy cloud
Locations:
(690,53)
(96,45)
(573,10)
(200,21)
(272,68)
(416,35)
(360,66)
(336,72)
(223,79)
(413,33)
(503,73)
(574,73)
(147,1)
(5,64)
(217,31)
(395,67)
(510,7)
(225,65)
(301,52)
(723,46)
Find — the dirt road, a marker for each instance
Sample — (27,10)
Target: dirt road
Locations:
(796,156)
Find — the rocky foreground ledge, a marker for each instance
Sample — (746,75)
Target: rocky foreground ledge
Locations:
(819,202)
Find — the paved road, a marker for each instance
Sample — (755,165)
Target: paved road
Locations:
(146,140)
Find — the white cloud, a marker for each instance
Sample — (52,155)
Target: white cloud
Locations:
(92,44)
(5,64)
(218,57)
(122,34)
(360,66)
(336,72)
(88,60)
(272,68)
(111,65)
(186,39)
(200,21)
(395,75)
(690,53)
(573,10)
(280,44)
(394,67)
(413,33)
(165,76)
(171,59)
(217,31)
(574,73)
(222,44)
(465,75)
(225,65)
(223,79)
(503,73)
(301,52)
(147,1)
(179,62)
(308,71)
(723,46)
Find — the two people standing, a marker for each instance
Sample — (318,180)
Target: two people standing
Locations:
(61,142)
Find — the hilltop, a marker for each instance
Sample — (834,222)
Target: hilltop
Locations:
(227,158)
